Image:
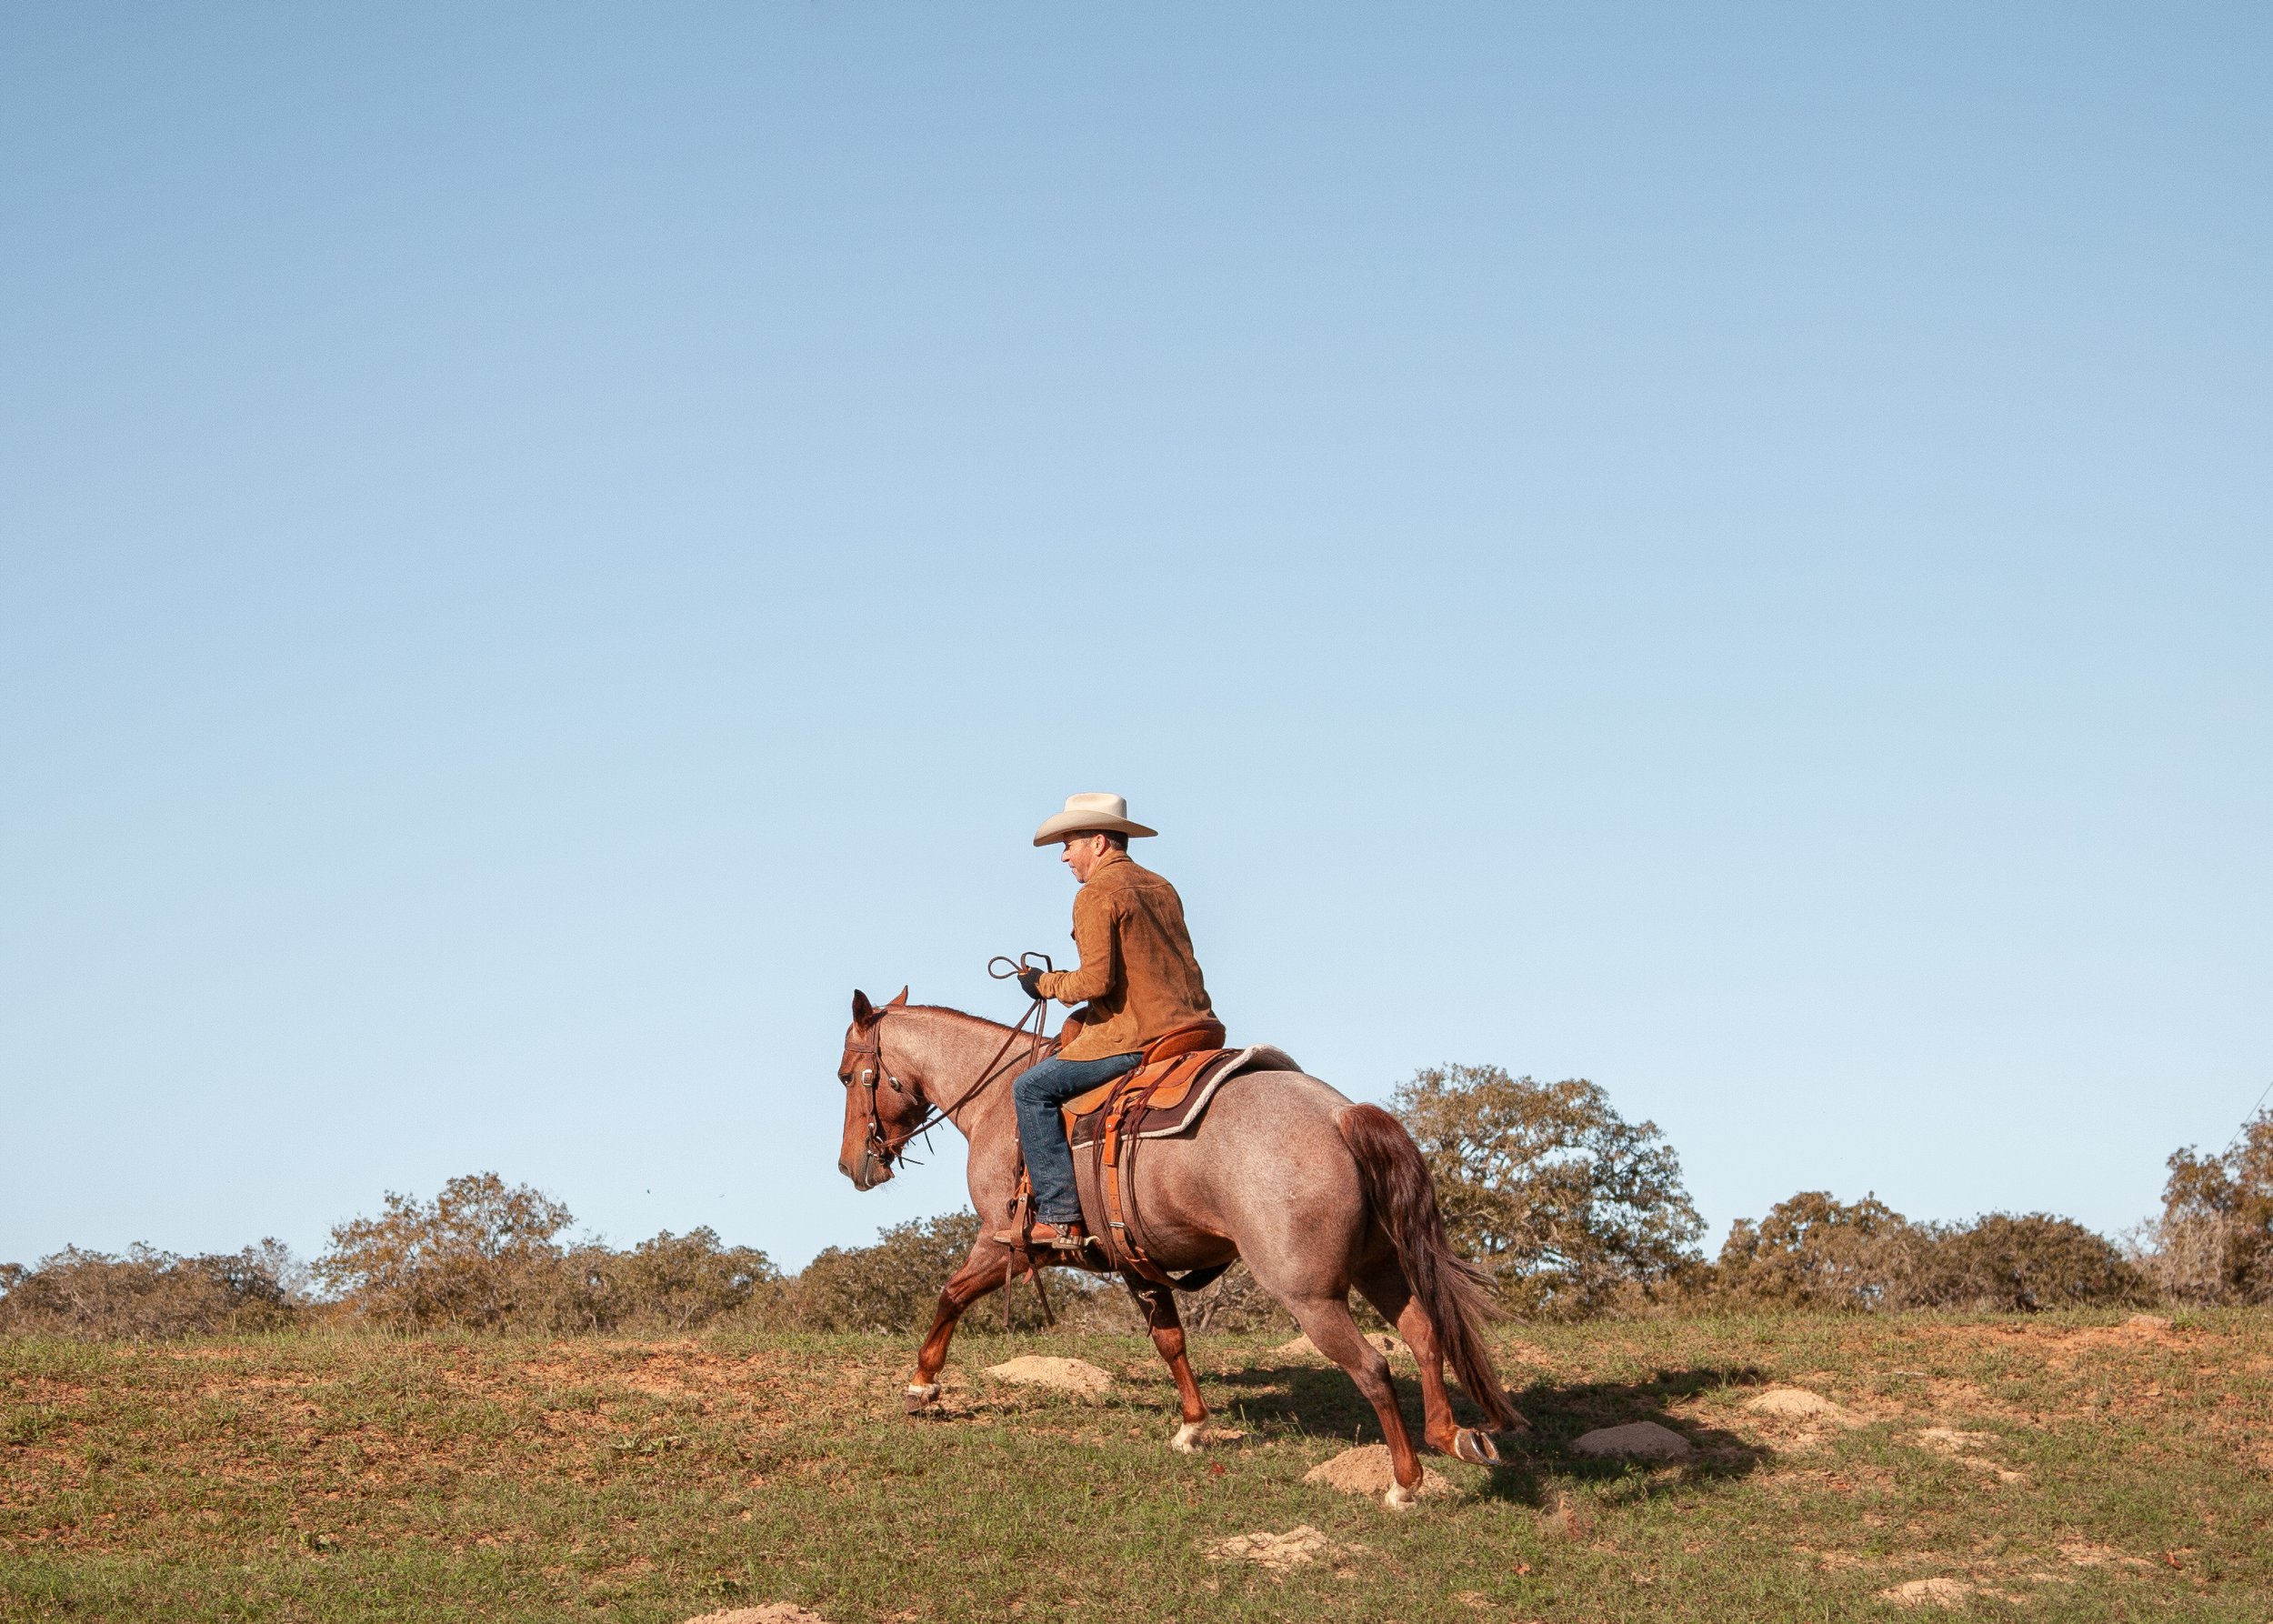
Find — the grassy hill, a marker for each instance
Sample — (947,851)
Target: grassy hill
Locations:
(2048,1468)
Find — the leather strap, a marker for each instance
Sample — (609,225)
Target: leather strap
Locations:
(1022,1249)
(1123,1237)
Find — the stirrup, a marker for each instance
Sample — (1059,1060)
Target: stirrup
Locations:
(1070,1237)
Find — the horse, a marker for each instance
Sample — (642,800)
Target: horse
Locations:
(1315,1192)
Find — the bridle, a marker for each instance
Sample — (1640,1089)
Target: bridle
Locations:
(864,1067)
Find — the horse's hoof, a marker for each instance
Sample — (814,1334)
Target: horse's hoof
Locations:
(1468,1444)
(921,1398)
(1401,1498)
(1187,1438)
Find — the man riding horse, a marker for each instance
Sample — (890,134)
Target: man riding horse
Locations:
(1317,1193)
(1138,981)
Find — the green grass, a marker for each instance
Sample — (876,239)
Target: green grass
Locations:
(2118,1474)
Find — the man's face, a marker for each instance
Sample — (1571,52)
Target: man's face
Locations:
(1081,854)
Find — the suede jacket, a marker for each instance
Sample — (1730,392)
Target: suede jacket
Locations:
(1137,977)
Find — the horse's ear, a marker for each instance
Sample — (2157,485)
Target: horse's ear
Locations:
(863,1011)
(898,997)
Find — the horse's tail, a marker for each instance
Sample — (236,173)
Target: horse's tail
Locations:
(1449,1288)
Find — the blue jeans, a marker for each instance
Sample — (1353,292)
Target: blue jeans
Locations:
(1039,1091)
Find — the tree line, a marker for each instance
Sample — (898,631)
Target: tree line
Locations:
(1573,1209)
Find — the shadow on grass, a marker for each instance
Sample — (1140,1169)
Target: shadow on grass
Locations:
(1322,1401)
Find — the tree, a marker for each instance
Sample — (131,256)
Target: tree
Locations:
(2214,1242)
(1812,1251)
(1569,1205)
(477,1255)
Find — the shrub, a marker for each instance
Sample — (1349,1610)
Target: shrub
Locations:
(671,1283)
(893,1285)
(2015,1264)
(149,1294)
(1812,1251)
(486,1256)
(2214,1242)
(1573,1207)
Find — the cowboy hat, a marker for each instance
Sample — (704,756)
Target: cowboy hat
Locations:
(1089,815)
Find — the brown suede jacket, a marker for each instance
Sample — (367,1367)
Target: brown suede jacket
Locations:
(1138,975)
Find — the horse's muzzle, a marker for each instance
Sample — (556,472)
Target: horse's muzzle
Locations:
(868,1172)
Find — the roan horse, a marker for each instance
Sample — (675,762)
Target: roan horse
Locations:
(1318,1194)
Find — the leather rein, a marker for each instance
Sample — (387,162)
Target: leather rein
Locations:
(866,1069)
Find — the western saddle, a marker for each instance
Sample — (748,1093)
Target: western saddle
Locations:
(1164,1093)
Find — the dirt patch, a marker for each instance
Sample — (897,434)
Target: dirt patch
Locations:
(773,1612)
(2084,1553)
(1064,1376)
(1296,1547)
(2059,1345)
(668,1370)
(1951,1441)
(1929,1592)
(1365,1471)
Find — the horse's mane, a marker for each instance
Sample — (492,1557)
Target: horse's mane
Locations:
(962,1015)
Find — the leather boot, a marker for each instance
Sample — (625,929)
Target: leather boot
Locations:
(1051,1237)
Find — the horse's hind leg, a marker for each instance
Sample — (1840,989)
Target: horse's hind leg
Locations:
(1385,1287)
(1159,1304)
(988,1268)
(1327,1321)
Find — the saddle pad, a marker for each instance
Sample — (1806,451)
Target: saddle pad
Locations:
(1177,1108)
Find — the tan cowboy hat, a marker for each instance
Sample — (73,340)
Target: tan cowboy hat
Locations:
(1088,815)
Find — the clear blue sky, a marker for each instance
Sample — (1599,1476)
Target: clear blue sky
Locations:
(1721,550)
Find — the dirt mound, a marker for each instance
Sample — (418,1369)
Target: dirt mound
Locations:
(1636,1440)
(1929,1592)
(1389,1346)
(1797,1404)
(773,1612)
(1066,1376)
(1365,1471)
(1278,1552)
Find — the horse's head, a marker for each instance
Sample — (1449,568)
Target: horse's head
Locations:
(881,1110)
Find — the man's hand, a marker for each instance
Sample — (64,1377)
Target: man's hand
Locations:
(1030,983)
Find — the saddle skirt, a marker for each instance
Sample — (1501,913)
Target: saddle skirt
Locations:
(1182,1089)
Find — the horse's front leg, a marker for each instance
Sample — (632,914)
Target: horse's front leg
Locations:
(988,1268)
(1159,1304)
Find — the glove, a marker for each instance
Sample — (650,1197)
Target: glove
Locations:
(1030,983)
